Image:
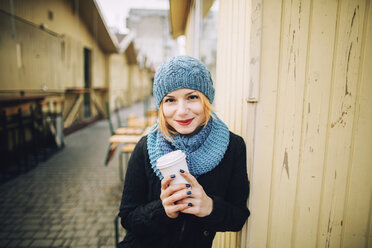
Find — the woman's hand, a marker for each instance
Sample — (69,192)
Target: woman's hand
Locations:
(172,195)
(200,204)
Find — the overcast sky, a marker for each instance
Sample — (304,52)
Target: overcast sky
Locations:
(115,11)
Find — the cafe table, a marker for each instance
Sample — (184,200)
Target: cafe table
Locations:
(123,139)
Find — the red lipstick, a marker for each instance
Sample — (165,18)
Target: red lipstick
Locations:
(185,122)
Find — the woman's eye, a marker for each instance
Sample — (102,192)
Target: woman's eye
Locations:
(169,100)
(193,97)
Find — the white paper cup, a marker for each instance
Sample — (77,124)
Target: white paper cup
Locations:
(171,163)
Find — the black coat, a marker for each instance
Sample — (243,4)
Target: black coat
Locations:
(144,218)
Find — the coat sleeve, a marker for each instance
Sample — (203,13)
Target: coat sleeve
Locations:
(230,214)
(139,215)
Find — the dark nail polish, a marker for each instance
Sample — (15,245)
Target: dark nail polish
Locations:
(182,171)
(188,185)
(188,192)
(173,176)
(189,204)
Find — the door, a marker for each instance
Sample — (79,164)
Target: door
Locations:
(87,81)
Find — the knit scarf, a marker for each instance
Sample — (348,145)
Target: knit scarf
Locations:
(204,150)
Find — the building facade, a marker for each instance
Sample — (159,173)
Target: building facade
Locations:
(64,47)
(151,35)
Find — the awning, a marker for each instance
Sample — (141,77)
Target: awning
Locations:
(179,11)
(91,15)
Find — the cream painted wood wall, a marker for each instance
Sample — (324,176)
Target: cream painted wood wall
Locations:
(294,79)
(57,57)
(119,78)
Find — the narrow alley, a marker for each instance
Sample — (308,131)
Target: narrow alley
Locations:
(70,200)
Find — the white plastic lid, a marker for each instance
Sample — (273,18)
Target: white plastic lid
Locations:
(169,158)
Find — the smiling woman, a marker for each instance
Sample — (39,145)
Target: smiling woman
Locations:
(155,212)
(183,111)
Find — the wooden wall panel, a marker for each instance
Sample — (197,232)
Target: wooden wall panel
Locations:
(249,109)
(226,66)
(231,73)
(265,126)
(30,50)
(358,202)
(233,67)
(292,66)
(314,126)
(340,123)
(230,102)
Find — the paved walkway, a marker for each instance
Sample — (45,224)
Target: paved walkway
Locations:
(70,200)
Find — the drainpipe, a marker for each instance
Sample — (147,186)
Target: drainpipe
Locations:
(198,24)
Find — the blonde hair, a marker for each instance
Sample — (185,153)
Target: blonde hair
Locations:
(167,130)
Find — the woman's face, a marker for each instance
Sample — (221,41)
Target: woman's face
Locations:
(183,110)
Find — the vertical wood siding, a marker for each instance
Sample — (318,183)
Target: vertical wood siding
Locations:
(314,126)
(231,86)
(309,136)
(345,80)
(358,205)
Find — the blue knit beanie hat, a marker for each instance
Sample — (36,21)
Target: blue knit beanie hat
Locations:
(182,72)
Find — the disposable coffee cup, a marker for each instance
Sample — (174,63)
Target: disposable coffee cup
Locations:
(172,163)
